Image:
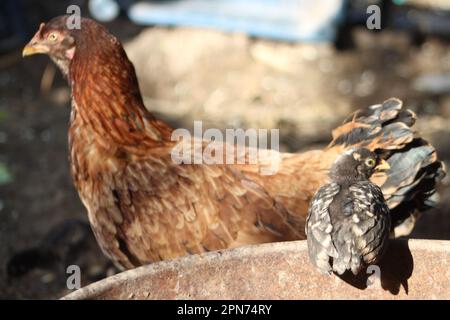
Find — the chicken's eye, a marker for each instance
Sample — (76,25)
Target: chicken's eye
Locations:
(52,37)
(370,163)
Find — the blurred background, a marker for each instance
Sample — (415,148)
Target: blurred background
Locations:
(298,65)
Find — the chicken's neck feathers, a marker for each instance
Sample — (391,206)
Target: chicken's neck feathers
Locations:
(108,100)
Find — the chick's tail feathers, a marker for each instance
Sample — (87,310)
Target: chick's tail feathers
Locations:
(409,186)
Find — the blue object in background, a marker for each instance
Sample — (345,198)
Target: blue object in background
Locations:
(288,20)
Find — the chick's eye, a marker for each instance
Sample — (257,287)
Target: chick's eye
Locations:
(52,37)
(370,162)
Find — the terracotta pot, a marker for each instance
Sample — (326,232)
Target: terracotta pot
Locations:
(411,269)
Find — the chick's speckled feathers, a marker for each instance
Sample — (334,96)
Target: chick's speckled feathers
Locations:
(144,207)
(348,220)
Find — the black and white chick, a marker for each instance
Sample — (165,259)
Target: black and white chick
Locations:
(348,220)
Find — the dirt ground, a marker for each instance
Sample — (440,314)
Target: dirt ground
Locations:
(226,80)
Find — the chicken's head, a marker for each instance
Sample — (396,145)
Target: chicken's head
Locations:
(55,39)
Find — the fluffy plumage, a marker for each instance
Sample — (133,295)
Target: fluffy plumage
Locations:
(143,207)
(348,221)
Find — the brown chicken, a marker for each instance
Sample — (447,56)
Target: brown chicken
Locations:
(143,207)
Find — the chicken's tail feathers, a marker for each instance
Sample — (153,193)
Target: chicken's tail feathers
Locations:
(409,186)
(383,126)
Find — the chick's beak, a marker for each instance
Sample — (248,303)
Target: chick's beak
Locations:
(383,166)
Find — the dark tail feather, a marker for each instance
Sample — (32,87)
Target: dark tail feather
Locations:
(409,186)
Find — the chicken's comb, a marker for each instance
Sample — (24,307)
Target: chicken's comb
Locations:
(41,28)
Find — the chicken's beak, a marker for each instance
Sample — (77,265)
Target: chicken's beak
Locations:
(35,45)
(34,48)
(383,166)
